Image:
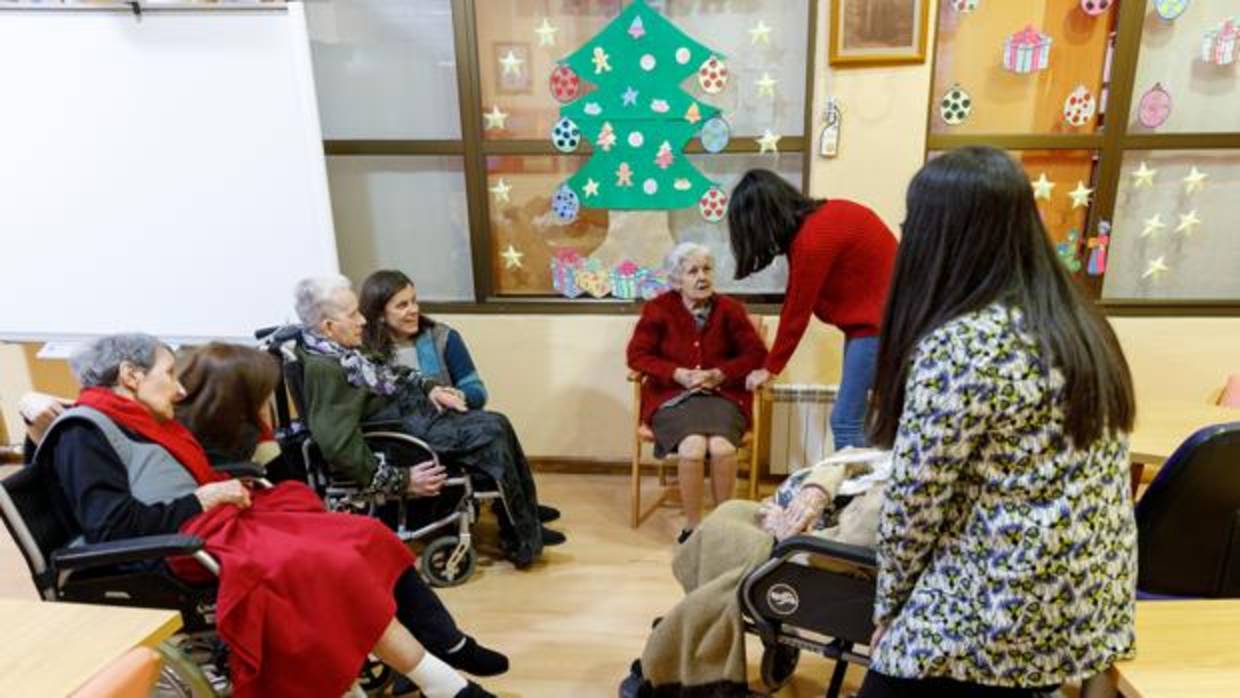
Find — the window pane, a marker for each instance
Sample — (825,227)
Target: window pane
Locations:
(407,213)
(521,217)
(521,90)
(385,69)
(1167,215)
(975,93)
(1176,91)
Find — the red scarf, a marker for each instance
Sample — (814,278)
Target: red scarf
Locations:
(170,434)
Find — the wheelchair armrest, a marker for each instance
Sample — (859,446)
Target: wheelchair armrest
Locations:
(822,547)
(635,377)
(242,469)
(117,552)
(382,425)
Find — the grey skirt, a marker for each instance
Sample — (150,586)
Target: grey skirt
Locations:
(708,415)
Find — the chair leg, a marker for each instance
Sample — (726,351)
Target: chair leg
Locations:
(837,675)
(635,494)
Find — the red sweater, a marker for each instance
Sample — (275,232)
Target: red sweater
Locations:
(666,338)
(839,268)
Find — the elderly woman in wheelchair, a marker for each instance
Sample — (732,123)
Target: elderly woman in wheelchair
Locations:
(344,387)
(303,596)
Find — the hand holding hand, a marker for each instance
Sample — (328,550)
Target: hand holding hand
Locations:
(426,479)
(448,399)
(214,494)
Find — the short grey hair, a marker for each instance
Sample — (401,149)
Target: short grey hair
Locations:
(681,254)
(98,364)
(313,297)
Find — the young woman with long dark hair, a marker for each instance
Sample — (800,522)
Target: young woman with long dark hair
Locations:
(840,256)
(1007,545)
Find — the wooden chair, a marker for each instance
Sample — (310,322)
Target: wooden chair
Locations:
(748,452)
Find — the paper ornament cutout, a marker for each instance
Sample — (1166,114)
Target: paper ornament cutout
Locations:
(1153,225)
(1156,268)
(713,76)
(637,29)
(1080,195)
(1042,187)
(1195,181)
(565,204)
(1171,9)
(512,257)
(714,205)
(511,64)
(683,185)
(769,142)
(1094,8)
(715,135)
(624,175)
(636,139)
(500,190)
(693,114)
(1027,51)
(660,106)
(565,84)
(760,33)
(495,119)
(590,188)
(1155,107)
(601,60)
(1079,108)
(630,97)
(650,187)
(1098,245)
(566,136)
(1219,45)
(1143,176)
(606,137)
(1188,223)
(683,55)
(1069,251)
(564,266)
(593,109)
(956,106)
(766,86)
(965,6)
(648,63)
(546,33)
(664,158)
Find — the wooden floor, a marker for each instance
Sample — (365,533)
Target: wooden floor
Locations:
(573,623)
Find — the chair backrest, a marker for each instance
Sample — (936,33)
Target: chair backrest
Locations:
(133,675)
(29,505)
(1188,520)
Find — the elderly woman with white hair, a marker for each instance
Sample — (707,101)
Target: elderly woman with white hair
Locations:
(695,348)
(344,387)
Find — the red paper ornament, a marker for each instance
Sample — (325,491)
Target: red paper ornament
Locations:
(565,84)
(713,205)
(713,76)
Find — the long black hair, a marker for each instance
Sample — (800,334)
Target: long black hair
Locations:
(764,214)
(377,290)
(973,236)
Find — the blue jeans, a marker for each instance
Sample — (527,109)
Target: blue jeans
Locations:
(848,416)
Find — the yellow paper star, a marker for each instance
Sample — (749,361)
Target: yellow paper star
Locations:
(1195,181)
(1143,177)
(1156,268)
(1042,187)
(495,118)
(1188,222)
(766,86)
(591,188)
(769,142)
(512,64)
(1080,195)
(546,33)
(1153,225)
(501,189)
(512,258)
(760,34)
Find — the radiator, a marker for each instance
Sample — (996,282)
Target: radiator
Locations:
(800,425)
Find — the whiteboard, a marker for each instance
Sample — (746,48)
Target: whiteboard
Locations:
(161,173)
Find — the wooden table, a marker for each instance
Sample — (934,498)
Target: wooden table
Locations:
(1163,426)
(1185,649)
(50,649)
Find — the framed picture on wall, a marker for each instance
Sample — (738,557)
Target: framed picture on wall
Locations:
(512,68)
(878,31)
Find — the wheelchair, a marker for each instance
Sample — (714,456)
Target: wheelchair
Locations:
(449,558)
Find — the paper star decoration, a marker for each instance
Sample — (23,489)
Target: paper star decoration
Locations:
(1080,195)
(591,188)
(1143,177)
(1188,222)
(1195,181)
(501,189)
(1042,187)
(512,258)
(630,97)
(495,118)
(546,33)
(760,34)
(1156,268)
(1153,225)
(766,86)
(512,64)
(769,142)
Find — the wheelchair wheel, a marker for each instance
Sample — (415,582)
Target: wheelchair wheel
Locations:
(779,663)
(180,676)
(375,677)
(438,565)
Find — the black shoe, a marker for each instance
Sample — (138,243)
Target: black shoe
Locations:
(550,537)
(546,513)
(632,685)
(684,535)
(473,690)
(404,686)
(473,658)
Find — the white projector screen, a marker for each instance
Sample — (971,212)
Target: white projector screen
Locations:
(162,173)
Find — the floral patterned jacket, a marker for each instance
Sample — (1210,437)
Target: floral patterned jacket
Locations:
(1007,556)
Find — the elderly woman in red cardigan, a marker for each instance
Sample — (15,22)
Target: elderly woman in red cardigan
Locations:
(695,348)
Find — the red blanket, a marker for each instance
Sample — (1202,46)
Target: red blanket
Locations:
(304,594)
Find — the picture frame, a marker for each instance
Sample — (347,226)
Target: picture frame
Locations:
(510,82)
(878,32)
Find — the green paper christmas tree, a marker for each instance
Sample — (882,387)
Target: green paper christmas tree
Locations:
(639,119)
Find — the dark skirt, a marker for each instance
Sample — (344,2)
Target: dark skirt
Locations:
(707,415)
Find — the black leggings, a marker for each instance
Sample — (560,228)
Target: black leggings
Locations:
(421,611)
(880,686)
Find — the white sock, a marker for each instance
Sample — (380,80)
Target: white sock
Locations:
(435,678)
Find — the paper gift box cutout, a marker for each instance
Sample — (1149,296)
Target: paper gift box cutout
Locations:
(626,278)
(654,284)
(1027,51)
(1098,250)
(594,279)
(564,267)
(1218,46)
